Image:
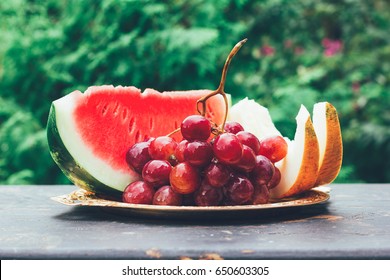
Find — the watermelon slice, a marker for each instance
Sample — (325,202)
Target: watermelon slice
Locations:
(89,133)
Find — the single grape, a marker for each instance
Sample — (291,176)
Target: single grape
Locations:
(163,147)
(179,151)
(207,195)
(233,127)
(217,174)
(249,139)
(198,153)
(227,148)
(195,127)
(238,191)
(138,155)
(263,170)
(156,172)
(138,192)
(184,178)
(275,180)
(274,148)
(167,196)
(247,161)
(261,194)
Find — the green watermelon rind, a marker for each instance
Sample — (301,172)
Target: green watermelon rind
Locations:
(69,166)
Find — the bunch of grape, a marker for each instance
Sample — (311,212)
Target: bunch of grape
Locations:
(230,168)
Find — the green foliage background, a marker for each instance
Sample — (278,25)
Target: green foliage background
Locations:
(49,48)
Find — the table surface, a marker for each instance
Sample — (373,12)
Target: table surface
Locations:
(353,224)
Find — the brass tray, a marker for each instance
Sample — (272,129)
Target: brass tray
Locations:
(312,197)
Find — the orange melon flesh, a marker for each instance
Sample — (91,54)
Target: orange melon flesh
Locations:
(327,126)
(299,169)
(96,128)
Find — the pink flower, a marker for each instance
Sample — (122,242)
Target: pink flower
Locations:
(267,50)
(288,43)
(332,47)
(355,86)
(298,50)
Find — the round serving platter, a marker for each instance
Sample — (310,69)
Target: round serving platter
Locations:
(83,198)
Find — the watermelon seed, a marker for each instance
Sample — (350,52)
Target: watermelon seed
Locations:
(131,125)
(124,114)
(151,123)
(104,109)
(116,109)
(137,137)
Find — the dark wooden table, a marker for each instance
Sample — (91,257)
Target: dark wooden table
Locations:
(354,224)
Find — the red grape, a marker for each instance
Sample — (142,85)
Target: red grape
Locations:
(217,174)
(227,148)
(234,168)
(138,155)
(263,170)
(206,195)
(184,178)
(156,172)
(167,196)
(198,153)
(195,127)
(163,147)
(179,151)
(233,127)
(138,192)
(249,139)
(238,191)
(275,180)
(261,194)
(274,148)
(247,161)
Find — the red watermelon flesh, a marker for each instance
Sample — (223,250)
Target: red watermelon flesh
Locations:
(111,119)
(97,127)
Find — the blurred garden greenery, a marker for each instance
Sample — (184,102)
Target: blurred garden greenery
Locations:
(297,52)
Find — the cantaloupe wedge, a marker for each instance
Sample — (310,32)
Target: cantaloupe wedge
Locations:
(299,169)
(327,127)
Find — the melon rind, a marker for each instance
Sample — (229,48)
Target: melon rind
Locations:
(327,126)
(88,171)
(69,166)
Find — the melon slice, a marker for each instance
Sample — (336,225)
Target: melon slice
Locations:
(254,118)
(89,133)
(299,169)
(327,127)
(314,156)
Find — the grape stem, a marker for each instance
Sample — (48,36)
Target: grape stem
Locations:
(221,88)
(173,132)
